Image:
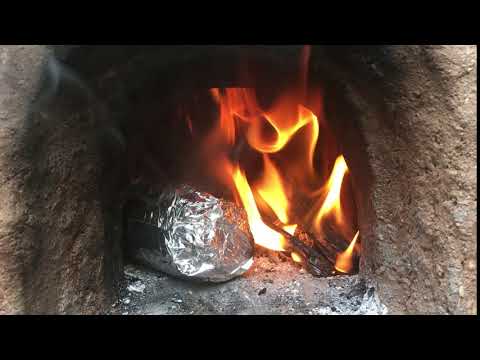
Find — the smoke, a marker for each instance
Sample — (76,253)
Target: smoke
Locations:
(58,74)
(62,85)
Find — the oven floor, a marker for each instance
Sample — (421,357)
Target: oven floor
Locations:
(269,287)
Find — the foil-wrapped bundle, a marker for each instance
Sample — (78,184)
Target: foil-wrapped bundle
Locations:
(190,234)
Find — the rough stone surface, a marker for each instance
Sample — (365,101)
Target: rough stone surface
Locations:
(51,225)
(18,80)
(419,122)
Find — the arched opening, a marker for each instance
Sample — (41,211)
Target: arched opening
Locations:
(112,122)
(169,103)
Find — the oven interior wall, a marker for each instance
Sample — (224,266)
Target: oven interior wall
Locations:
(418,106)
(51,222)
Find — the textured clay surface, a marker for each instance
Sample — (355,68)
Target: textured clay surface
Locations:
(51,226)
(420,126)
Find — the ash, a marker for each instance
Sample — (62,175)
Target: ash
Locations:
(273,285)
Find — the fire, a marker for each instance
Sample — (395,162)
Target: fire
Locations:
(233,102)
(344,262)
(268,132)
(284,128)
(296,257)
(331,204)
(272,191)
(240,104)
(263,235)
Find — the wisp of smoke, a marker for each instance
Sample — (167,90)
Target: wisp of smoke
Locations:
(56,73)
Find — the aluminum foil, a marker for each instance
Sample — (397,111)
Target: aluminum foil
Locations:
(190,234)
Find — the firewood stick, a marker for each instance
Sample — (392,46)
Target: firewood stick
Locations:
(331,236)
(310,256)
(323,244)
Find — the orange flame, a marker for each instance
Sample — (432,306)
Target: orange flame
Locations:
(286,124)
(241,103)
(331,204)
(296,257)
(290,122)
(344,262)
(285,128)
(272,191)
(263,235)
(227,124)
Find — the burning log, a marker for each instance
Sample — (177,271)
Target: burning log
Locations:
(317,254)
(313,260)
(331,236)
(328,250)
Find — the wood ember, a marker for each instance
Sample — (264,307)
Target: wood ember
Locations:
(318,254)
(328,249)
(314,261)
(325,262)
(331,237)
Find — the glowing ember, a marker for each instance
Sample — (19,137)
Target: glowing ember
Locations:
(344,262)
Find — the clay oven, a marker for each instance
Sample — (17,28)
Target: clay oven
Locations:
(79,127)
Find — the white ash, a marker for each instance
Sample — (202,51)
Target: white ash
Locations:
(288,291)
(132,272)
(370,305)
(137,287)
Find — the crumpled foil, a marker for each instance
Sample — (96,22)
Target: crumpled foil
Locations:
(190,234)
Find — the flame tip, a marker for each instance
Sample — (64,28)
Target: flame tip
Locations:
(344,262)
